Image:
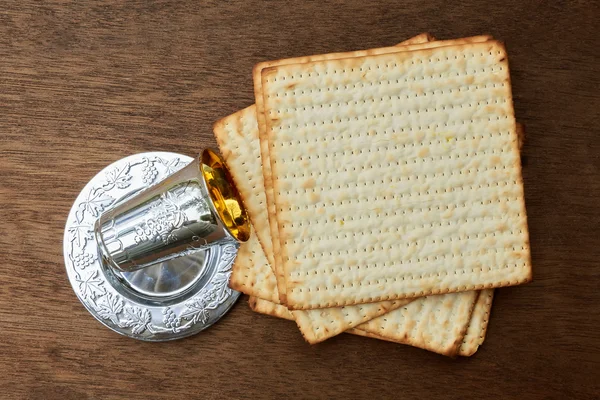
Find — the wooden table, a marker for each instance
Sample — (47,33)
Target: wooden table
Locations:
(83,84)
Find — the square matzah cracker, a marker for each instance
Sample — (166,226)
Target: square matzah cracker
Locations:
(473,338)
(436,323)
(396,175)
(236,136)
(478,324)
(420,38)
(275,260)
(321,324)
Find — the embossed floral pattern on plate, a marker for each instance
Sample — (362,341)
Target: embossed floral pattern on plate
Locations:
(127,314)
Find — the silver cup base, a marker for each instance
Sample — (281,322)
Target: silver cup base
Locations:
(167,279)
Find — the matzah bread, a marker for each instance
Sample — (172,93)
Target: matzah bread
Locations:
(396,181)
(273,250)
(420,38)
(435,323)
(321,324)
(236,136)
(478,324)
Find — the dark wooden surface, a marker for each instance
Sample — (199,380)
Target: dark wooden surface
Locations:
(85,83)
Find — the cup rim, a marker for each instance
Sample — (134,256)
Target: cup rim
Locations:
(206,154)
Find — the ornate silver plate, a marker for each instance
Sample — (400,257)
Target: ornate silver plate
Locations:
(166,301)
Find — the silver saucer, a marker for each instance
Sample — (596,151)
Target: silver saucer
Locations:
(166,301)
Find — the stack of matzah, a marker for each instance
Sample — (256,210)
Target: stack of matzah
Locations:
(385,191)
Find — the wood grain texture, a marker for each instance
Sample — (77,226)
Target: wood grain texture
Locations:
(83,84)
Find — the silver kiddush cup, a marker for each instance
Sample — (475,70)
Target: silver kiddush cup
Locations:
(193,209)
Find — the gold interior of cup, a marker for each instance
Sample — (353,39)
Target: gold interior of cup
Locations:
(225,195)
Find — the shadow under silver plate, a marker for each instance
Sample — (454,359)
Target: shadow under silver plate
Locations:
(166,301)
